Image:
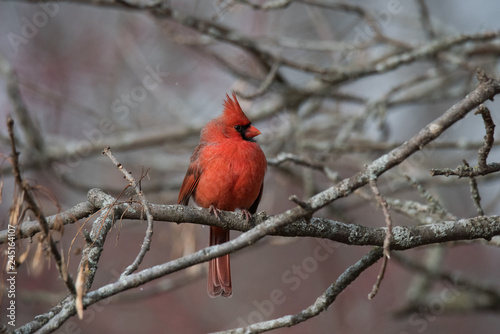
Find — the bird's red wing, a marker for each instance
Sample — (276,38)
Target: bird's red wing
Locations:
(190,180)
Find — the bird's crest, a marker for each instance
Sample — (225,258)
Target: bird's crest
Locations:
(233,115)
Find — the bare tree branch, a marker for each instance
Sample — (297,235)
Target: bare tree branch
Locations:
(322,302)
(31,133)
(149,231)
(474,191)
(488,297)
(404,237)
(29,228)
(489,138)
(37,211)
(388,237)
(483,168)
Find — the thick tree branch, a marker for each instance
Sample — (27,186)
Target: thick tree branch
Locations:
(404,237)
(29,228)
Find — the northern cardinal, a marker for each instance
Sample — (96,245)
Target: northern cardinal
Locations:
(226,173)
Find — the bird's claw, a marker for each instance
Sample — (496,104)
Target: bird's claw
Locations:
(215,211)
(247,215)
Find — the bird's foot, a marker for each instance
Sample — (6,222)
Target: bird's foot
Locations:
(247,215)
(215,211)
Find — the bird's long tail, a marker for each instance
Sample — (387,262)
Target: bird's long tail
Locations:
(219,269)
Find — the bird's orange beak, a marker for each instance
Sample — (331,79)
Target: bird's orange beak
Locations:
(251,132)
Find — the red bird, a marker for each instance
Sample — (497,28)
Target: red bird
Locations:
(226,173)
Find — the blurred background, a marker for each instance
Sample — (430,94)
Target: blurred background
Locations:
(320,79)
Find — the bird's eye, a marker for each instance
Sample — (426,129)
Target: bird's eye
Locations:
(238,128)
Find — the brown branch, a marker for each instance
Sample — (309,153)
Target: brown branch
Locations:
(37,211)
(388,236)
(467,171)
(380,277)
(483,168)
(388,220)
(488,139)
(474,191)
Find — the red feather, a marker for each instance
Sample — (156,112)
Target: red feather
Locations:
(226,172)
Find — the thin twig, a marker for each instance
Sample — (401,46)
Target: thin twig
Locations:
(434,204)
(460,283)
(31,133)
(388,236)
(380,277)
(388,220)
(425,19)
(265,84)
(267,5)
(488,139)
(482,168)
(284,157)
(301,161)
(474,191)
(464,171)
(149,230)
(37,211)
